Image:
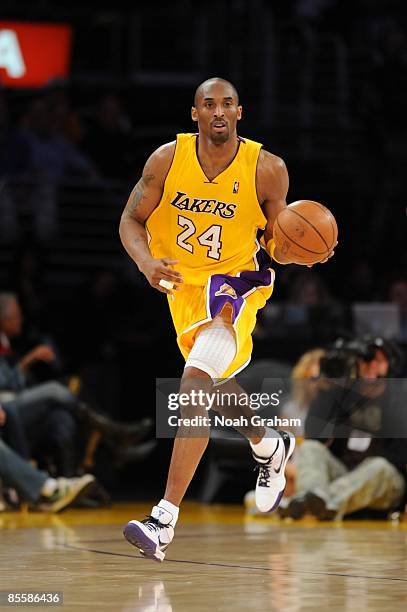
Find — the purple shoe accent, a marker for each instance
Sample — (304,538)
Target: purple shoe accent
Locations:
(138,538)
(278,500)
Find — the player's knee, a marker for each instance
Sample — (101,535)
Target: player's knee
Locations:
(196,380)
(194,389)
(56,391)
(50,387)
(194,372)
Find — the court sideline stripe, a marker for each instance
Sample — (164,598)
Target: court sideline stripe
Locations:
(223,534)
(249,567)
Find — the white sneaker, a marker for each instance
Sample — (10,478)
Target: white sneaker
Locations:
(152,535)
(271,480)
(69,489)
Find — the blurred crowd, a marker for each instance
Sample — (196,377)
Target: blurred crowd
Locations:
(47,142)
(351,431)
(46,135)
(68,353)
(50,434)
(307,310)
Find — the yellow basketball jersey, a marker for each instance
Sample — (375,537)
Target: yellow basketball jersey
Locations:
(210,227)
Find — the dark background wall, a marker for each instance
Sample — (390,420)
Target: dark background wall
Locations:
(322,84)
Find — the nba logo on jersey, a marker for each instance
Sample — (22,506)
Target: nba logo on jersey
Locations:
(226,289)
(235,186)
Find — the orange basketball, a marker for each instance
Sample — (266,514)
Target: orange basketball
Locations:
(305,231)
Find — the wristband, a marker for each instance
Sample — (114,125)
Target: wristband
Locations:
(271,247)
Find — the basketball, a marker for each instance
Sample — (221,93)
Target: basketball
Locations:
(305,231)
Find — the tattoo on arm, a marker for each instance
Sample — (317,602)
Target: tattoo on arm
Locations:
(137,195)
(147,178)
(140,239)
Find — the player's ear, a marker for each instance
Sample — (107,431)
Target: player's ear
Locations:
(194,114)
(239,112)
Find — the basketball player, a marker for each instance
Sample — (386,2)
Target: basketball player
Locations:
(191,225)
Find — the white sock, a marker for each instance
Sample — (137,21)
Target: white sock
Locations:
(267,445)
(174,510)
(49,487)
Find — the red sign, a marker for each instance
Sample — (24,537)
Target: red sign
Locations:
(32,54)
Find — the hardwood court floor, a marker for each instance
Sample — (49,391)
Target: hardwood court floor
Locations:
(220,560)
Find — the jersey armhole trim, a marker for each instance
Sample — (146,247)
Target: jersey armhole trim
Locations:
(255,178)
(164,188)
(170,166)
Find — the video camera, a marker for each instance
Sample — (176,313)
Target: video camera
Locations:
(341,359)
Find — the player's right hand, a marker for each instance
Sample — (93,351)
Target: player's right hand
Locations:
(331,254)
(160,269)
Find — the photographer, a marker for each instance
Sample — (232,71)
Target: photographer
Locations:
(350,459)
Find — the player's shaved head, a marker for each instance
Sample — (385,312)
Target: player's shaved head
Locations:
(203,87)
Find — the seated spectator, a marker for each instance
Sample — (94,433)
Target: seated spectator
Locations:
(27,276)
(49,418)
(38,488)
(356,469)
(48,414)
(11,325)
(36,428)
